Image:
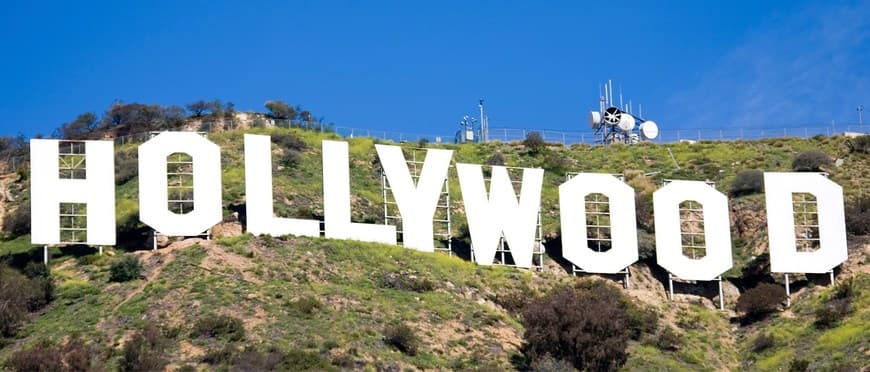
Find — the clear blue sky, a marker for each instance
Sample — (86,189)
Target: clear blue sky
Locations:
(419,66)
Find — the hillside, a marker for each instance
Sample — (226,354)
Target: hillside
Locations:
(333,304)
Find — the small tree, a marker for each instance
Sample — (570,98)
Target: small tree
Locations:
(280,110)
(80,127)
(748,182)
(811,161)
(534,143)
(198,108)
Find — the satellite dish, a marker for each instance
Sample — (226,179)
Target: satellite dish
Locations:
(649,130)
(611,115)
(594,119)
(626,122)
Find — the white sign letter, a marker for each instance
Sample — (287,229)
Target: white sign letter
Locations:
(47,191)
(416,203)
(623,229)
(258,191)
(336,200)
(489,218)
(717,232)
(153,198)
(784,257)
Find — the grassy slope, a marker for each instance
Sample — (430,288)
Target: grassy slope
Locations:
(270,274)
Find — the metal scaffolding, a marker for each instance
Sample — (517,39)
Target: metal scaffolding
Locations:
(71,160)
(442,220)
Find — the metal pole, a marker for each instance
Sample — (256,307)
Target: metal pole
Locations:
(154,240)
(45,255)
(832,276)
(787,292)
(671,285)
(101,250)
(721,294)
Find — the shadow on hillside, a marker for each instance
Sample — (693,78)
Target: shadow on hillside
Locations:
(555,253)
(37,254)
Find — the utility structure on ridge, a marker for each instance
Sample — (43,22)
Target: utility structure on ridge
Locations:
(619,124)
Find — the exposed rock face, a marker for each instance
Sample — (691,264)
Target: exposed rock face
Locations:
(226,229)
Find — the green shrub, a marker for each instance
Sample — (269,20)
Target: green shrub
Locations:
(20,295)
(125,268)
(859,144)
(748,182)
(641,320)
(798,365)
(126,166)
(406,282)
(811,161)
(291,158)
(144,352)
(402,338)
(758,302)
(495,159)
(307,305)
(556,163)
(219,326)
(668,340)
(289,141)
(568,324)
(550,364)
(832,312)
(75,355)
(534,143)
(275,360)
(858,215)
(644,212)
(221,355)
(845,289)
(838,306)
(511,300)
(17,223)
(763,342)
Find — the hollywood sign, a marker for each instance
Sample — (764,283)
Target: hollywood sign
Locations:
(491,215)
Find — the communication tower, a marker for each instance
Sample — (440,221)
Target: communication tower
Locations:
(473,129)
(614,123)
